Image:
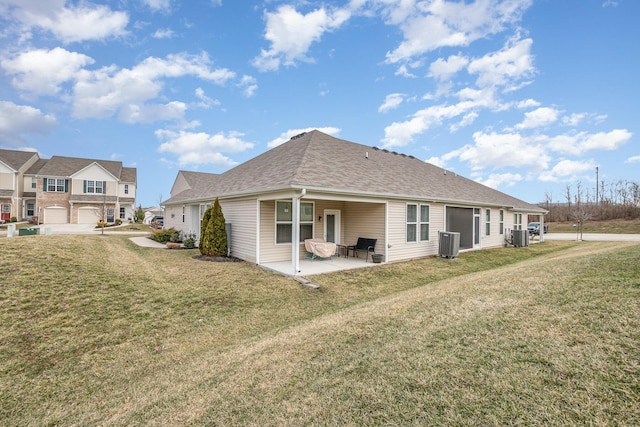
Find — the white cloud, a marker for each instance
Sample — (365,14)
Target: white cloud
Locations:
(540,117)
(68,23)
(574,119)
(427,26)
(202,148)
(444,69)
(506,68)
(402,133)
(527,103)
(291,34)
(158,5)
(493,150)
(108,90)
(205,101)
(498,180)
(19,120)
(606,140)
(163,33)
(286,135)
(567,170)
(392,101)
(249,85)
(633,159)
(42,71)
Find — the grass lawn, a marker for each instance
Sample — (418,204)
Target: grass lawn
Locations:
(98,331)
(615,226)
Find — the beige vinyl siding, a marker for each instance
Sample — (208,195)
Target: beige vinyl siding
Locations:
(320,207)
(269,251)
(364,220)
(495,239)
(400,248)
(173,218)
(6,181)
(241,214)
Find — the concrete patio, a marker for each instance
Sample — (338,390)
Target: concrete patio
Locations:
(310,267)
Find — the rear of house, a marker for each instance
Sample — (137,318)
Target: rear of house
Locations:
(318,186)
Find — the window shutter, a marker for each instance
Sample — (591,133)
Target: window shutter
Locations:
(84,186)
(104,187)
(66,185)
(44,184)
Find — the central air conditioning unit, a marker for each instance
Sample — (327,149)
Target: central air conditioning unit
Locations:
(449,244)
(520,238)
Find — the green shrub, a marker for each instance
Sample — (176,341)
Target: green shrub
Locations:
(118,221)
(13,219)
(166,235)
(204,243)
(189,241)
(215,233)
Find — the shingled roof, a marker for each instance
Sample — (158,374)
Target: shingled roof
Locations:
(16,159)
(321,162)
(67,166)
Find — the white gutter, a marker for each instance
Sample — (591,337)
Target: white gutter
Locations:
(295,232)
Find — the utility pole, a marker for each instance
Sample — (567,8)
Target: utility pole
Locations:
(597,200)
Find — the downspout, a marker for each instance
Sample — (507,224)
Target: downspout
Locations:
(295,232)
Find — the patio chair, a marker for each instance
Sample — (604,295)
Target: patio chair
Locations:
(363,244)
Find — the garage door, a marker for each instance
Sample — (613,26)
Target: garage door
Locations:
(55,216)
(88,216)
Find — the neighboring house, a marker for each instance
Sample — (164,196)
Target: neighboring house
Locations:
(150,213)
(13,165)
(71,190)
(341,191)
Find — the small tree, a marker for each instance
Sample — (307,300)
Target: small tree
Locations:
(203,230)
(139,216)
(214,238)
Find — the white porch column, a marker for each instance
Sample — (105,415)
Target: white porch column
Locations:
(541,228)
(295,232)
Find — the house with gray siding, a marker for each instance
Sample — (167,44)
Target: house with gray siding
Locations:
(319,186)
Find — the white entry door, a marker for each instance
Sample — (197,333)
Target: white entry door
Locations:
(332,226)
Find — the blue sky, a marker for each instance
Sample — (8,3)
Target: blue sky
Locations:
(526,96)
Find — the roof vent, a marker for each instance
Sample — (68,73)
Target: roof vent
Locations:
(297,136)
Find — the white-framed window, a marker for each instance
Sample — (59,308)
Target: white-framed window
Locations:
(501,221)
(126,189)
(412,223)
(34,182)
(517,221)
(487,222)
(31,208)
(55,185)
(284,221)
(424,223)
(122,213)
(95,187)
(417,223)
(110,214)
(183,213)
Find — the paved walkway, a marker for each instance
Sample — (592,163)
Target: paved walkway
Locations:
(147,242)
